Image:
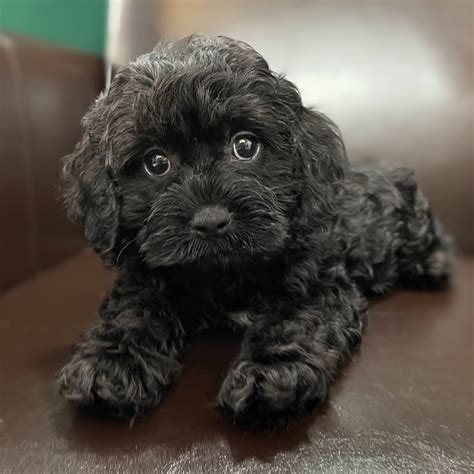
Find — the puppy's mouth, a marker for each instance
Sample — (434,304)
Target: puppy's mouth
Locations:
(214,236)
(217,247)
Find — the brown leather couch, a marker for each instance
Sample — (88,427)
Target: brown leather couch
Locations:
(44,91)
(404,403)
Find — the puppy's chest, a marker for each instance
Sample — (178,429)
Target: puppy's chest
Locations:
(219,299)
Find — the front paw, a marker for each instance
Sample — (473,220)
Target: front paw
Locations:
(121,384)
(264,396)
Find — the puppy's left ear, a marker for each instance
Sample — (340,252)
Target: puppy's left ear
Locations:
(88,188)
(320,146)
(323,165)
(316,139)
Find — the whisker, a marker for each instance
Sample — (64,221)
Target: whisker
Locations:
(123,249)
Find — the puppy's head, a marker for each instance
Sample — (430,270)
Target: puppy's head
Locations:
(200,154)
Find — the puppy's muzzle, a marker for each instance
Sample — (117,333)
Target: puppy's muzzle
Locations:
(211,221)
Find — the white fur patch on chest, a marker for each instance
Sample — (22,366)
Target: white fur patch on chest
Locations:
(241,318)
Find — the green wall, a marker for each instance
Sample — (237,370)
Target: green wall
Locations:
(76,24)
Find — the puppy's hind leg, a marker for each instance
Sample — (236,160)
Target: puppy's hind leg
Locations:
(425,260)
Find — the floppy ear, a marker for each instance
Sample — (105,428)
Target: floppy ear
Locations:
(316,139)
(321,147)
(88,189)
(323,166)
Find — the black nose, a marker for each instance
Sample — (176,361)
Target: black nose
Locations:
(211,220)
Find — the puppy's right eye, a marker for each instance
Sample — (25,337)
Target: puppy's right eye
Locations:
(245,146)
(157,164)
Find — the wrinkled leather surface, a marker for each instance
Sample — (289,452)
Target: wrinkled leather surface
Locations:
(404,403)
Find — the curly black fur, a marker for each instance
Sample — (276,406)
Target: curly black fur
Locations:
(309,235)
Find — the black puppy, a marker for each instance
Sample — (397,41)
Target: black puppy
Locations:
(222,200)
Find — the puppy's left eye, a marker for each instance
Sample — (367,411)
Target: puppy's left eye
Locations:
(245,146)
(157,164)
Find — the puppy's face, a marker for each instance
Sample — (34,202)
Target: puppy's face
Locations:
(207,195)
(200,146)
(206,181)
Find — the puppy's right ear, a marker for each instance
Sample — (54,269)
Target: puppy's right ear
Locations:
(88,189)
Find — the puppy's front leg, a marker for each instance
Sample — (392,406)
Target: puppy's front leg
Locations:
(123,365)
(287,361)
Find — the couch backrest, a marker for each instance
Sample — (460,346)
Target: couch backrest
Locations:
(45,90)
